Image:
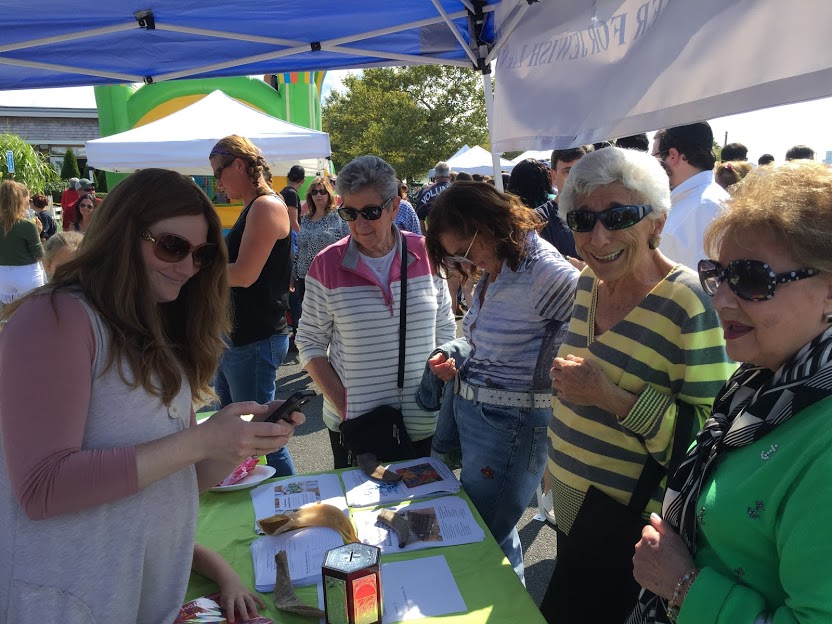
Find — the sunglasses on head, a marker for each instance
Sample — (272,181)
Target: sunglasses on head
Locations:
(174,248)
(752,280)
(318,192)
(615,218)
(370,213)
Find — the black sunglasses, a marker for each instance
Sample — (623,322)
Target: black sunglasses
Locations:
(371,213)
(318,192)
(174,248)
(221,168)
(752,280)
(615,218)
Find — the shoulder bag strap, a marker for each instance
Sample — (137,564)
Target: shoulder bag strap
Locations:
(402,318)
(653,471)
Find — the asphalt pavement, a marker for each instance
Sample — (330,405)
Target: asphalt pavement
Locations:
(311,452)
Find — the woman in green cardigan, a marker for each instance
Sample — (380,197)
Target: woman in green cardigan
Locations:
(744,537)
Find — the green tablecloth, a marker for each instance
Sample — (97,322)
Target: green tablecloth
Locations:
(491,590)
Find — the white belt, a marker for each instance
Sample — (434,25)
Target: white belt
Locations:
(506,398)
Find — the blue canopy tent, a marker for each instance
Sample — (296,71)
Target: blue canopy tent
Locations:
(45,44)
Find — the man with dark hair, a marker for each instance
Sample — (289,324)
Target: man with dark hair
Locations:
(442,175)
(555,231)
(636,141)
(765,159)
(800,152)
(295,177)
(734,151)
(687,155)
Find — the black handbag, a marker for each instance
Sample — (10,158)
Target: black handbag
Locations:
(593,577)
(381,431)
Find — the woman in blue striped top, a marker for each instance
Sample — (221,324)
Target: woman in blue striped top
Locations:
(521,304)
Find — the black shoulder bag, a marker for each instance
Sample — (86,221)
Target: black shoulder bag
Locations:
(593,577)
(381,431)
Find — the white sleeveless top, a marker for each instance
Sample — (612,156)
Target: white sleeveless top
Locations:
(126,561)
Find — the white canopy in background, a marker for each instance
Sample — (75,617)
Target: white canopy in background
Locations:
(183,140)
(534,155)
(637,65)
(461,150)
(477,160)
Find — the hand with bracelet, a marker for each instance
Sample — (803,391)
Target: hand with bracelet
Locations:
(662,561)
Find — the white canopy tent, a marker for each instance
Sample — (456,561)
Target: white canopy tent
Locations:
(477,160)
(182,140)
(461,150)
(590,71)
(534,155)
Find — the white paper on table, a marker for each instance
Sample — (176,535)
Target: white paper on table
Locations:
(292,493)
(305,551)
(419,588)
(449,523)
(421,477)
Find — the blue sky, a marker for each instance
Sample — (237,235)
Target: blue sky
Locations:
(771,130)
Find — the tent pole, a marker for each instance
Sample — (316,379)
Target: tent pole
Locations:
(489,114)
(462,43)
(81,34)
(83,71)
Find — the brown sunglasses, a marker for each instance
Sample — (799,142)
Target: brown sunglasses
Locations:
(174,248)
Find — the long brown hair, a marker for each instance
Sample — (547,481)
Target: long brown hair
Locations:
(156,342)
(13,203)
(311,206)
(235,146)
(466,208)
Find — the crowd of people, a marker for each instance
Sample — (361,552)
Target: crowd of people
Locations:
(644,329)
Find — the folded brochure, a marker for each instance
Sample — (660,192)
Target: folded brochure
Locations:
(445,521)
(420,477)
(292,493)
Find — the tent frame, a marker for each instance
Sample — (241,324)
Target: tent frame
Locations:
(479,53)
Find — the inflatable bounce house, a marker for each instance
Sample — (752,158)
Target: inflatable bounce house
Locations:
(294,97)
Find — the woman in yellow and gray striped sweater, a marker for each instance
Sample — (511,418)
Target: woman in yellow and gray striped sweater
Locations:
(644,346)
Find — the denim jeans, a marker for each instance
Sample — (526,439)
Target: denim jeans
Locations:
(503,458)
(249,373)
(296,301)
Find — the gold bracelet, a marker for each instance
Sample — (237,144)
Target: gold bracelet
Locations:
(673,604)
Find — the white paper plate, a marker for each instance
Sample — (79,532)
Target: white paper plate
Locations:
(258,475)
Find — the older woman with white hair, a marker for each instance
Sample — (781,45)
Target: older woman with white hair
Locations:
(635,377)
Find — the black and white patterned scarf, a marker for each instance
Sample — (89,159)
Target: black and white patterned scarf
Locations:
(753,401)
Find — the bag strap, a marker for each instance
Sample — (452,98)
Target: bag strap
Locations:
(653,471)
(402,319)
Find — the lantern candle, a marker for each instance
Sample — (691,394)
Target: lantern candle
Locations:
(352,584)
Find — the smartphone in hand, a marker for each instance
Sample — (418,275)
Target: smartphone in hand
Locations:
(292,404)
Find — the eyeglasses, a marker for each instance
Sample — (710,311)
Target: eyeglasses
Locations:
(174,248)
(660,155)
(463,259)
(370,213)
(221,168)
(752,280)
(318,192)
(615,218)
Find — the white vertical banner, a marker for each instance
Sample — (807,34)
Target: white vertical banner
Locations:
(580,71)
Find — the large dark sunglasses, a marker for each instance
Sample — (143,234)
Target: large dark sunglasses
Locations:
(318,192)
(752,280)
(371,213)
(173,248)
(218,171)
(615,218)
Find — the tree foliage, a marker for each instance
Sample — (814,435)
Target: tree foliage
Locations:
(411,117)
(69,168)
(30,167)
